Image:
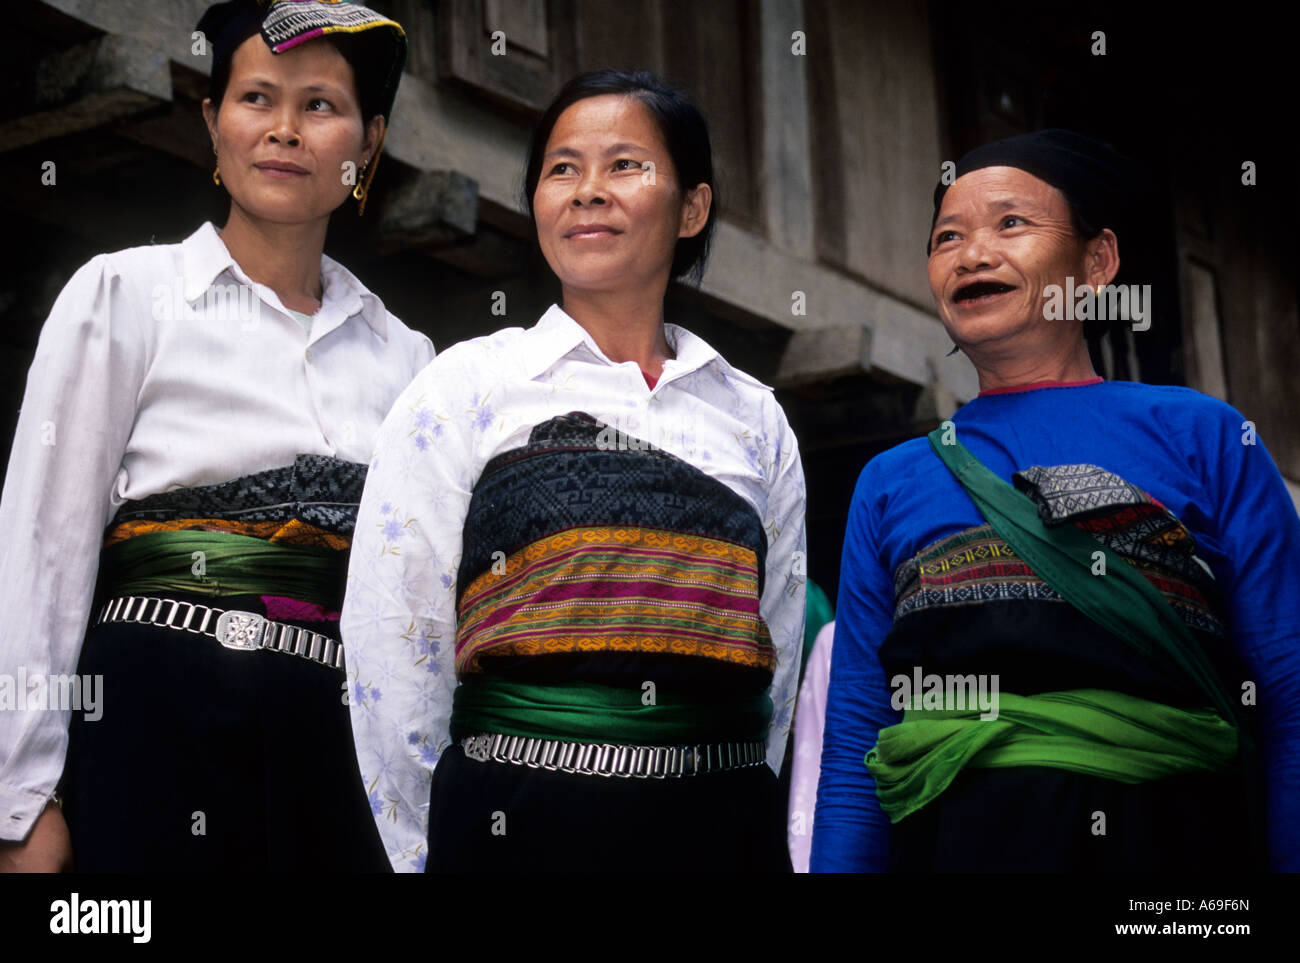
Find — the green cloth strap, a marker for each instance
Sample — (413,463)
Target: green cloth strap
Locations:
(1091,731)
(587,712)
(1122,601)
(159,562)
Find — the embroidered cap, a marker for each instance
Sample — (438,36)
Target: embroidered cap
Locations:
(284,24)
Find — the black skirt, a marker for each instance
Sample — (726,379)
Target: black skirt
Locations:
(208,759)
(1034,819)
(493,817)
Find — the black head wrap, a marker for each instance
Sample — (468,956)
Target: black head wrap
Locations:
(1101,186)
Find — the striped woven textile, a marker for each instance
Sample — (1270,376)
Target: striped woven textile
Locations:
(976,566)
(620,589)
(291,532)
(608,550)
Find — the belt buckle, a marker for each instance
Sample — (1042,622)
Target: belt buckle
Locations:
(240,630)
(478,747)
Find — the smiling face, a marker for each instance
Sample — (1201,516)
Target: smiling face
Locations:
(605,219)
(1001,237)
(286,126)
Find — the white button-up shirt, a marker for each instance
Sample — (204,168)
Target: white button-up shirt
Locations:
(160,367)
(483,397)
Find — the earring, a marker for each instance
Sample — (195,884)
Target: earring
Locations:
(216,175)
(371,164)
(359,191)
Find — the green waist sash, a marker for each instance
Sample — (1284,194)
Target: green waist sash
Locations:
(587,712)
(1095,732)
(160,562)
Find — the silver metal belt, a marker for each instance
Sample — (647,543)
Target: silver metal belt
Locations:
(597,759)
(232,628)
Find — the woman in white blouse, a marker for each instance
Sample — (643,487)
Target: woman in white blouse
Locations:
(575,600)
(201,414)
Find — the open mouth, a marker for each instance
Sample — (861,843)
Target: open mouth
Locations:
(981,292)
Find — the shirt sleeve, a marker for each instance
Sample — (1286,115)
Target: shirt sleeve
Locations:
(426,353)
(399,620)
(78,410)
(850,831)
(1257,533)
(809,720)
(784,595)
(419,346)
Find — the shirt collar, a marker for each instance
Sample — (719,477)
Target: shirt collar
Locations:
(1038,385)
(205,257)
(556,334)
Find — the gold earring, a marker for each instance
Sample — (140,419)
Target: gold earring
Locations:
(216,175)
(359,192)
(371,164)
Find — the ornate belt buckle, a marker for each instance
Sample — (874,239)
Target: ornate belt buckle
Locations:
(240,630)
(477,747)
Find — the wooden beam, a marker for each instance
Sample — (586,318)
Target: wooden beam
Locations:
(90,85)
(818,354)
(423,209)
(178,130)
(489,254)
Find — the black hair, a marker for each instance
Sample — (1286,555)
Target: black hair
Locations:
(1082,227)
(1094,328)
(682,127)
(365,55)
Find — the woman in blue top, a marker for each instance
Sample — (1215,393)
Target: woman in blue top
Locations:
(1062,744)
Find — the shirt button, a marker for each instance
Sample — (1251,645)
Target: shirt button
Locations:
(309,354)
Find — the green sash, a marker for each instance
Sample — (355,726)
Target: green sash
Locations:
(1091,731)
(587,712)
(161,562)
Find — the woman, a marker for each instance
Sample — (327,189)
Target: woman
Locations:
(216,399)
(1118,618)
(593,525)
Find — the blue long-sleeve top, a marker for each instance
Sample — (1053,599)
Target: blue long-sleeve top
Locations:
(1197,456)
